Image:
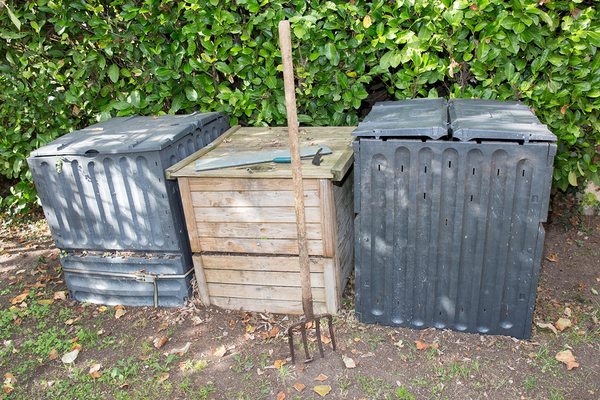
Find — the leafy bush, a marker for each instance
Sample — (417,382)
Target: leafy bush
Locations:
(67,64)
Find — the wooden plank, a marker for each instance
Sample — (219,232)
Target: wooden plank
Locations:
(260,246)
(266,278)
(171,172)
(254,214)
(327,217)
(332,293)
(278,307)
(188,213)
(247,183)
(262,292)
(265,198)
(256,231)
(201,280)
(260,263)
(343,164)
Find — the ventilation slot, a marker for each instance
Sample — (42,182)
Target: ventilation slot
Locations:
(498,173)
(449,164)
(425,169)
(402,168)
(473,171)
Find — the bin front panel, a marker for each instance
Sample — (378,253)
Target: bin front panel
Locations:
(117,201)
(449,232)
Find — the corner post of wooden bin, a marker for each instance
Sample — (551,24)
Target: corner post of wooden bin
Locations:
(330,272)
(201,280)
(188,212)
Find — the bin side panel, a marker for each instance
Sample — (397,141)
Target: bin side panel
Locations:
(118,201)
(111,280)
(448,234)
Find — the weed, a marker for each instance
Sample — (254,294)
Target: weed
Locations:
(373,386)
(195,365)
(530,383)
(243,363)
(402,393)
(285,371)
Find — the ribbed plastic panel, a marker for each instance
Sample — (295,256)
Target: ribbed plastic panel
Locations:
(104,187)
(112,280)
(449,233)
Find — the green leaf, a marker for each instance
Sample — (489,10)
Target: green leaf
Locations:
(13,18)
(330,51)
(191,93)
(572,178)
(113,73)
(135,98)
(271,82)
(177,103)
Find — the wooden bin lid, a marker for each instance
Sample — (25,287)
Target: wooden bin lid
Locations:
(238,140)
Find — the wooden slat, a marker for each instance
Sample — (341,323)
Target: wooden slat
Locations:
(253,230)
(258,263)
(327,217)
(279,307)
(201,280)
(262,292)
(343,164)
(254,214)
(260,246)
(171,172)
(247,183)
(188,213)
(284,279)
(265,198)
(332,292)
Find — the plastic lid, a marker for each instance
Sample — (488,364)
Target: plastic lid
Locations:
(492,119)
(127,135)
(406,118)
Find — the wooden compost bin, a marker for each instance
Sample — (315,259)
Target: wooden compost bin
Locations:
(242,225)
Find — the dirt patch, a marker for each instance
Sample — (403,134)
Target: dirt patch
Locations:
(240,355)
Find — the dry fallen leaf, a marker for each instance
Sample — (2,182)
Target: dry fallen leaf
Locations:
(162,327)
(568,358)
(219,351)
(250,328)
(159,342)
(322,390)
(70,357)
(182,350)
(325,339)
(76,346)
(10,378)
(553,257)
(196,320)
(20,298)
(425,346)
(299,387)
(568,312)
(95,368)
(320,378)
(124,386)
(53,354)
(102,308)
(60,295)
(348,362)
(95,375)
(563,324)
(547,326)
(280,396)
(163,377)
(120,312)
(274,332)
(279,363)
(46,302)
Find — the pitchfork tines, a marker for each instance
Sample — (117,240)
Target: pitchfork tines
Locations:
(302,327)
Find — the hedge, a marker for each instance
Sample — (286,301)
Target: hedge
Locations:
(68,64)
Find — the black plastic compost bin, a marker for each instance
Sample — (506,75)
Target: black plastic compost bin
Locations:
(112,211)
(450,200)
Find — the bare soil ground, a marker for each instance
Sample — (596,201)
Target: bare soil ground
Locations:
(240,355)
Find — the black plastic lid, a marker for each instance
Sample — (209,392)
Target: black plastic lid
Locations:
(406,118)
(127,135)
(498,120)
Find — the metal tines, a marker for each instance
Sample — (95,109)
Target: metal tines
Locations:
(301,326)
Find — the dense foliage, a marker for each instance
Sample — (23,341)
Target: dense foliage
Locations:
(66,64)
